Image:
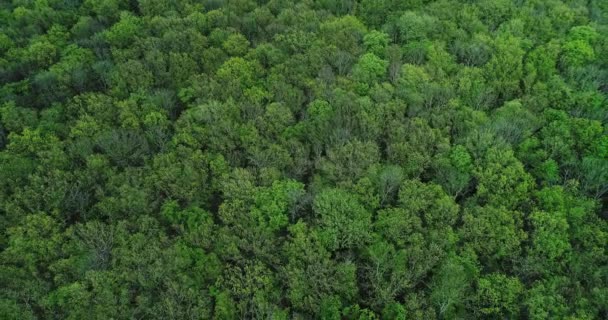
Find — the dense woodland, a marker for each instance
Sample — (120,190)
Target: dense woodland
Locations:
(331,159)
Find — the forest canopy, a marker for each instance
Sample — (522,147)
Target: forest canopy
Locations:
(317,159)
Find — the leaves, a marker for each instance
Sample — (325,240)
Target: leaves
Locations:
(372,159)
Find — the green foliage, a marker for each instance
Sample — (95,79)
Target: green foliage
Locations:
(505,68)
(450,284)
(331,159)
(236,45)
(272,206)
(415,26)
(343,220)
(359,155)
(502,180)
(498,295)
(376,42)
(124,31)
(576,53)
(495,234)
(369,68)
(578,50)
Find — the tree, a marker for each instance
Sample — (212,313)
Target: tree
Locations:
(385,276)
(236,45)
(237,78)
(453,171)
(498,295)
(369,68)
(505,68)
(186,181)
(412,145)
(415,26)
(349,161)
(376,42)
(495,234)
(436,209)
(502,180)
(129,77)
(312,276)
(550,241)
(450,284)
(122,33)
(543,301)
(32,246)
(578,50)
(513,123)
(343,220)
(345,32)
